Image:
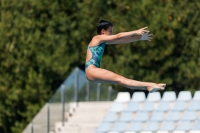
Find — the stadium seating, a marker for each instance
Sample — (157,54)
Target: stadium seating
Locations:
(158,116)
(173,116)
(169,96)
(151,126)
(154,114)
(118,127)
(142,116)
(163,106)
(196,96)
(184,96)
(179,106)
(189,116)
(167,126)
(110,117)
(123,97)
(135,126)
(117,107)
(154,97)
(138,97)
(151,113)
(194,105)
(184,126)
(148,107)
(132,107)
(126,117)
(197,125)
(104,127)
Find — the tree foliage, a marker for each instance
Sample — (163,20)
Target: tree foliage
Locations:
(43,40)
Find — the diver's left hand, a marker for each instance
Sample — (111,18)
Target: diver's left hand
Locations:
(146,36)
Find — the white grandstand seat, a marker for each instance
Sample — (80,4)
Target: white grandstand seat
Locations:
(163,106)
(142,116)
(189,115)
(117,107)
(151,126)
(184,126)
(118,127)
(194,105)
(129,132)
(179,106)
(138,97)
(194,131)
(132,107)
(157,116)
(110,117)
(104,127)
(173,116)
(196,96)
(169,96)
(146,132)
(184,96)
(178,131)
(148,106)
(197,125)
(123,97)
(126,117)
(167,126)
(135,126)
(153,97)
(162,132)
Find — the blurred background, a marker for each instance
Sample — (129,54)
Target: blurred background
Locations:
(43,41)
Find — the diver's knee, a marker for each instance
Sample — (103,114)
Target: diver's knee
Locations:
(89,78)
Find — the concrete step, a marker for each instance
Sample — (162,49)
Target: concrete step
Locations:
(85,119)
(78,128)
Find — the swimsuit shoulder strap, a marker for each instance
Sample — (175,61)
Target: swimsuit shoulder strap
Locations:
(103,43)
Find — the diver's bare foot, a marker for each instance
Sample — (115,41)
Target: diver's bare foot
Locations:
(162,86)
(156,87)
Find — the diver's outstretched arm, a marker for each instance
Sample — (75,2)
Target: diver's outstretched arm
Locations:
(130,39)
(107,38)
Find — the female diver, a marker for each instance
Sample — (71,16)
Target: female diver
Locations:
(95,51)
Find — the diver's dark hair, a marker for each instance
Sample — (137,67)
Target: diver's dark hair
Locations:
(103,24)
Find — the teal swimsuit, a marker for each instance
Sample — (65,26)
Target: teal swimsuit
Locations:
(97,52)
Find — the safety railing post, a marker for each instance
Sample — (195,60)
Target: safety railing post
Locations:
(76,86)
(48,118)
(32,131)
(109,92)
(87,91)
(98,91)
(63,104)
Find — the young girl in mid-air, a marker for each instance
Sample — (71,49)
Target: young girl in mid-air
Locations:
(95,51)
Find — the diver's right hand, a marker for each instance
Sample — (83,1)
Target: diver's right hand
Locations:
(141,31)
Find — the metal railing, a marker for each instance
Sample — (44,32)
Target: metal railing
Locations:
(75,92)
